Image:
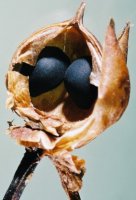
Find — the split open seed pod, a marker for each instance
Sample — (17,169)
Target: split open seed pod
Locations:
(52,121)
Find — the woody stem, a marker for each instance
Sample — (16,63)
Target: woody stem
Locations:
(23,174)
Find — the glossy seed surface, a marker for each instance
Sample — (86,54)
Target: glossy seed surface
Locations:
(78,84)
(48,72)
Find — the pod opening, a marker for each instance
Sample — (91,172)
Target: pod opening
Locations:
(51,94)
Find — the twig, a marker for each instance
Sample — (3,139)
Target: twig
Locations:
(23,174)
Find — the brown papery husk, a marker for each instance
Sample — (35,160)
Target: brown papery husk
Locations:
(66,127)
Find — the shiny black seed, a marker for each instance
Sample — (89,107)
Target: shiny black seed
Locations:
(47,74)
(78,84)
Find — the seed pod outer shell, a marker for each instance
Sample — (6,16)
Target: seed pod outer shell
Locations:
(53,131)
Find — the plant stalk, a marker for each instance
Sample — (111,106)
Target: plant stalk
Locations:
(23,173)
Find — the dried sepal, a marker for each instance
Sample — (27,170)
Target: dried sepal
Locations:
(71,170)
(123,40)
(62,126)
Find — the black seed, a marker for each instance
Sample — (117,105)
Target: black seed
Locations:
(78,84)
(48,73)
(54,52)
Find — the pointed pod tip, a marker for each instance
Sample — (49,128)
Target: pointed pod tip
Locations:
(125,33)
(123,40)
(82,5)
(112,23)
(127,27)
(110,34)
(80,13)
(128,24)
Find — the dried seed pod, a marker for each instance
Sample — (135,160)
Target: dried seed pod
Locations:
(53,121)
